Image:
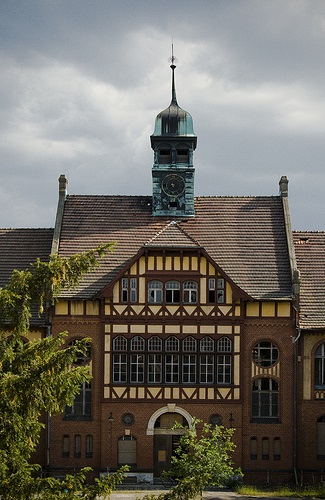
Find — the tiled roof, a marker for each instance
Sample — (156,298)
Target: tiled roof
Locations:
(245,236)
(310,255)
(21,247)
(172,236)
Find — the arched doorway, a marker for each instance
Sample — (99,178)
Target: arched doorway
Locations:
(166,438)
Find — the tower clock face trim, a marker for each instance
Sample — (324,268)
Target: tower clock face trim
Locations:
(173,184)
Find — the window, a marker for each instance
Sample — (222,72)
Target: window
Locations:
(277,448)
(182,155)
(81,406)
(172,344)
(265,400)
(224,345)
(320,367)
(120,368)
(82,357)
(127,451)
(189,344)
(129,290)
(224,361)
(189,292)
(206,368)
(253,448)
(89,446)
(155,292)
(172,360)
(137,368)
(154,368)
(189,368)
(206,344)
(65,446)
(216,291)
(265,448)
(124,290)
(154,344)
(172,368)
(321,438)
(120,344)
(173,292)
(265,354)
(137,344)
(77,446)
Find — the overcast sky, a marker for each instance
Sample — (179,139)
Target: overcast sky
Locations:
(83,80)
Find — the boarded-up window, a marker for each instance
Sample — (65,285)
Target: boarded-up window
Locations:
(127,451)
(321,438)
(253,450)
(277,448)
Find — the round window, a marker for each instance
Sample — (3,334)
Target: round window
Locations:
(128,419)
(215,419)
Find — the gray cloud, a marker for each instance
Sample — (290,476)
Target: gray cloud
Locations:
(81,83)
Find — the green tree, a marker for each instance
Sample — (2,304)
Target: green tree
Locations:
(202,459)
(36,377)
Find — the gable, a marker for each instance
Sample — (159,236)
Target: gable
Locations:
(245,236)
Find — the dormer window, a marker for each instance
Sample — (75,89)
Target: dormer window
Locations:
(129,290)
(217,290)
(173,292)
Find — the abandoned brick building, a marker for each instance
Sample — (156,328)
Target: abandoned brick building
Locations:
(209,307)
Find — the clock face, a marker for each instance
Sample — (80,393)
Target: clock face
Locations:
(173,184)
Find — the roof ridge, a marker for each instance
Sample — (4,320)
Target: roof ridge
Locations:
(172,223)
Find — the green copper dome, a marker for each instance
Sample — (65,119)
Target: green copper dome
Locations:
(174,121)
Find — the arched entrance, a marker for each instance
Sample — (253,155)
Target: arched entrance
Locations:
(166,438)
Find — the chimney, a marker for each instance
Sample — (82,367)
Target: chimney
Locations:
(283,183)
(63,187)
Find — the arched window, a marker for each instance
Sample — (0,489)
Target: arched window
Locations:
(120,343)
(224,345)
(154,344)
(320,367)
(137,344)
(127,451)
(189,292)
(172,292)
(189,344)
(155,292)
(265,354)
(172,344)
(265,399)
(207,344)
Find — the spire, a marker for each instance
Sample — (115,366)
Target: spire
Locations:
(173,121)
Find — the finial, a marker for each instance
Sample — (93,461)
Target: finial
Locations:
(173,60)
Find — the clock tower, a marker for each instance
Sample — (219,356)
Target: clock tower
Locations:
(173,142)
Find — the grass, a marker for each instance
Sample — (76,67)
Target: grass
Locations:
(283,491)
